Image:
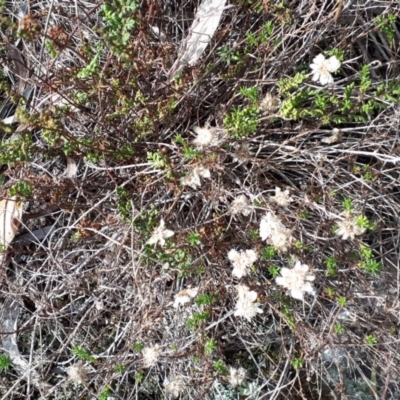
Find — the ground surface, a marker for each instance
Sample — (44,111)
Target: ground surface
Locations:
(126,204)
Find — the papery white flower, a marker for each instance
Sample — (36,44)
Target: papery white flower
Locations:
(174,386)
(272,229)
(348,228)
(323,67)
(236,376)
(336,137)
(77,373)
(193,179)
(205,137)
(246,306)
(270,102)
(160,234)
(296,280)
(150,355)
(241,261)
(184,296)
(240,205)
(281,198)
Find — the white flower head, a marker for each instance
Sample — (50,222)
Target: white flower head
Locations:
(174,386)
(336,137)
(322,68)
(241,261)
(270,102)
(206,137)
(241,206)
(184,296)
(296,280)
(193,179)
(348,228)
(272,229)
(281,198)
(150,355)
(77,373)
(246,305)
(160,234)
(236,376)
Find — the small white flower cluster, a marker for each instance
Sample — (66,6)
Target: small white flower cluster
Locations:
(150,355)
(348,228)
(322,68)
(236,376)
(77,373)
(272,229)
(281,198)
(206,137)
(160,234)
(296,280)
(174,386)
(241,261)
(241,206)
(246,305)
(193,179)
(184,296)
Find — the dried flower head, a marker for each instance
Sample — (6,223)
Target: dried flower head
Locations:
(77,373)
(246,305)
(160,234)
(241,206)
(241,261)
(349,228)
(272,230)
(270,102)
(281,198)
(322,68)
(205,137)
(184,296)
(296,280)
(174,386)
(236,376)
(336,137)
(150,355)
(193,179)
(242,153)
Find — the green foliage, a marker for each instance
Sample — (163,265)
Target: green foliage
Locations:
(365,78)
(15,151)
(387,25)
(330,291)
(339,328)
(268,252)
(50,48)
(138,347)
(194,238)
(274,270)
(347,205)
(106,393)
(368,263)
(256,39)
(371,340)
(297,363)
(119,18)
(341,301)
(252,93)
(289,85)
(197,319)
(338,53)
(157,159)
(254,234)
(120,368)
(124,204)
(210,346)
(242,121)
(331,264)
(5,362)
(177,258)
(220,367)
(204,299)
(83,354)
(89,70)
(228,55)
(21,189)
